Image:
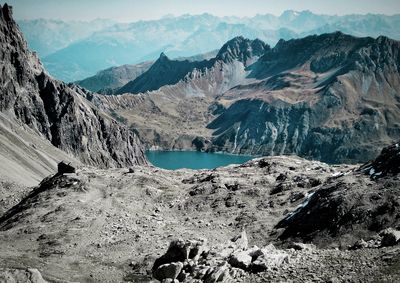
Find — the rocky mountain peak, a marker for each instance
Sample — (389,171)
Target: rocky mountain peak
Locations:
(163,57)
(242,49)
(58,112)
(6,13)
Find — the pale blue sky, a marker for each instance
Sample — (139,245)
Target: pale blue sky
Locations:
(132,10)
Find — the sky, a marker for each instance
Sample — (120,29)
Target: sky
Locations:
(134,10)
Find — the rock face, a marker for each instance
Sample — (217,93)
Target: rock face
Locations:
(57,111)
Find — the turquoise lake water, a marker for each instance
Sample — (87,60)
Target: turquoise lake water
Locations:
(172,160)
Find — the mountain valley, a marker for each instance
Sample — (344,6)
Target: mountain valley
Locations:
(319,202)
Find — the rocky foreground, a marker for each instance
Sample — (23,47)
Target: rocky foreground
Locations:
(236,223)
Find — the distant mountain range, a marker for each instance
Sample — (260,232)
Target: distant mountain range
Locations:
(74,50)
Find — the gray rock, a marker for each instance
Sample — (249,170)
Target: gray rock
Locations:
(390,237)
(219,274)
(240,259)
(181,250)
(240,241)
(302,246)
(29,275)
(169,270)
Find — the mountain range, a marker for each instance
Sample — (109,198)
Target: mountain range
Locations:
(74,50)
(72,211)
(331,97)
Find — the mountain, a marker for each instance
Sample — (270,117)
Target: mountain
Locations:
(169,72)
(46,36)
(55,111)
(109,80)
(114,77)
(331,97)
(174,116)
(188,35)
(163,72)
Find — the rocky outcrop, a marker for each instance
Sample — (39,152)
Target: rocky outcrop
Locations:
(193,260)
(57,111)
(347,205)
(387,163)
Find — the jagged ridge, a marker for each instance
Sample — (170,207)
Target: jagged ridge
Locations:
(58,111)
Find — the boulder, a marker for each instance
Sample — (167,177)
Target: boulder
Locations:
(168,271)
(254,252)
(390,237)
(240,259)
(181,250)
(64,168)
(271,257)
(219,274)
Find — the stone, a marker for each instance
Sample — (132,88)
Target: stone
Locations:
(64,168)
(240,259)
(31,275)
(181,250)
(240,241)
(169,270)
(219,274)
(254,252)
(390,237)
(271,257)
